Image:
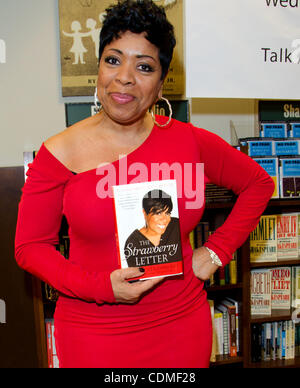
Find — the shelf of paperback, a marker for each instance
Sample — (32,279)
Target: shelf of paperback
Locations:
(275,287)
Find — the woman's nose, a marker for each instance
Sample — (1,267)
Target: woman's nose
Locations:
(126,74)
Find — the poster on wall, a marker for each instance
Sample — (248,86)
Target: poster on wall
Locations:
(80,26)
(243,49)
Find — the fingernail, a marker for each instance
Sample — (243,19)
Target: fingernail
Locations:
(142,269)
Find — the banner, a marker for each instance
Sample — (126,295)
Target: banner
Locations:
(243,49)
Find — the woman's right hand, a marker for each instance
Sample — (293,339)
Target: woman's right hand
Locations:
(130,293)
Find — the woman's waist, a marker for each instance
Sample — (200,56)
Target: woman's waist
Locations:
(124,318)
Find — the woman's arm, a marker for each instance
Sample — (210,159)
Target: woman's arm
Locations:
(38,225)
(230,168)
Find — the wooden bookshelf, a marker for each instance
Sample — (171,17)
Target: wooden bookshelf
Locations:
(241,290)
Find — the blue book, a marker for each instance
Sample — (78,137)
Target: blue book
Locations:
(287,147)
(270,165)
(289,173)
(273,130)
(294,130)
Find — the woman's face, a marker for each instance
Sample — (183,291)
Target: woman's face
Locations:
(157,223)
(129,79)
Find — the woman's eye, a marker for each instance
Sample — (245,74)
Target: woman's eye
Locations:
(111,60)
(146,68)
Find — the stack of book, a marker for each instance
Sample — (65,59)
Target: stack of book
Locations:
(276,238)
(275,288)
(226,316)
(275,341)
(277,150)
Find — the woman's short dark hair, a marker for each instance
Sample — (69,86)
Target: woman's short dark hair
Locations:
(156,201)
(139,16)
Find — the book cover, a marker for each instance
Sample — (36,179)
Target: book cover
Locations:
(260,147)
(263,240)
(281,288)
(287,236)
(299,235)
(214,336)
(270,165)
(231,309)
(289,172)
(147,227)
(295,298)
(225,321)
(294,129)
(287,147)
(260,291)
(276,130)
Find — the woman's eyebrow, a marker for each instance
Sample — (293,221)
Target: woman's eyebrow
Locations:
(139,56)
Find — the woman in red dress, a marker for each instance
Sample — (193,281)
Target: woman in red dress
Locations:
(101,319)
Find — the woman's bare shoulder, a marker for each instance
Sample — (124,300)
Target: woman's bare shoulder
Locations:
(64,144)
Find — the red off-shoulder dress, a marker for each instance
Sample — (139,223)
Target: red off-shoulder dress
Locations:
(171,325)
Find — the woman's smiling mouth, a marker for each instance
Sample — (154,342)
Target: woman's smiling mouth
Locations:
(122,98)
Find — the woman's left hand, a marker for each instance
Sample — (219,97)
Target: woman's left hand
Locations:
(202,265)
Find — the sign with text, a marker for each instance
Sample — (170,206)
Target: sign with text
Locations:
(243,49)
(279,110)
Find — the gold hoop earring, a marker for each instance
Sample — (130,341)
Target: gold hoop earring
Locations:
(170,114)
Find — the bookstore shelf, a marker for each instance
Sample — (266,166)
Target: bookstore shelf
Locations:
(277,315)
(227,360)
(215,214)
(294,363)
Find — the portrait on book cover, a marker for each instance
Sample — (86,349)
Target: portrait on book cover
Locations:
(157,241)
(80,24)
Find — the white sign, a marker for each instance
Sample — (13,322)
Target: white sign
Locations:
(243,49)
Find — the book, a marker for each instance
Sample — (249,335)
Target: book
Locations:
(294,130)
(218,327)
(53,362)
(287,147)
(289,173)
(233,269)
(263,240)
(270,165)
(280,288)
(258,147)
(277,130)
(147,228)
(295,292)
(214,332)
(231,310)
(238,309)
(260,291)
(299,235)
(287,236)
(225,323)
